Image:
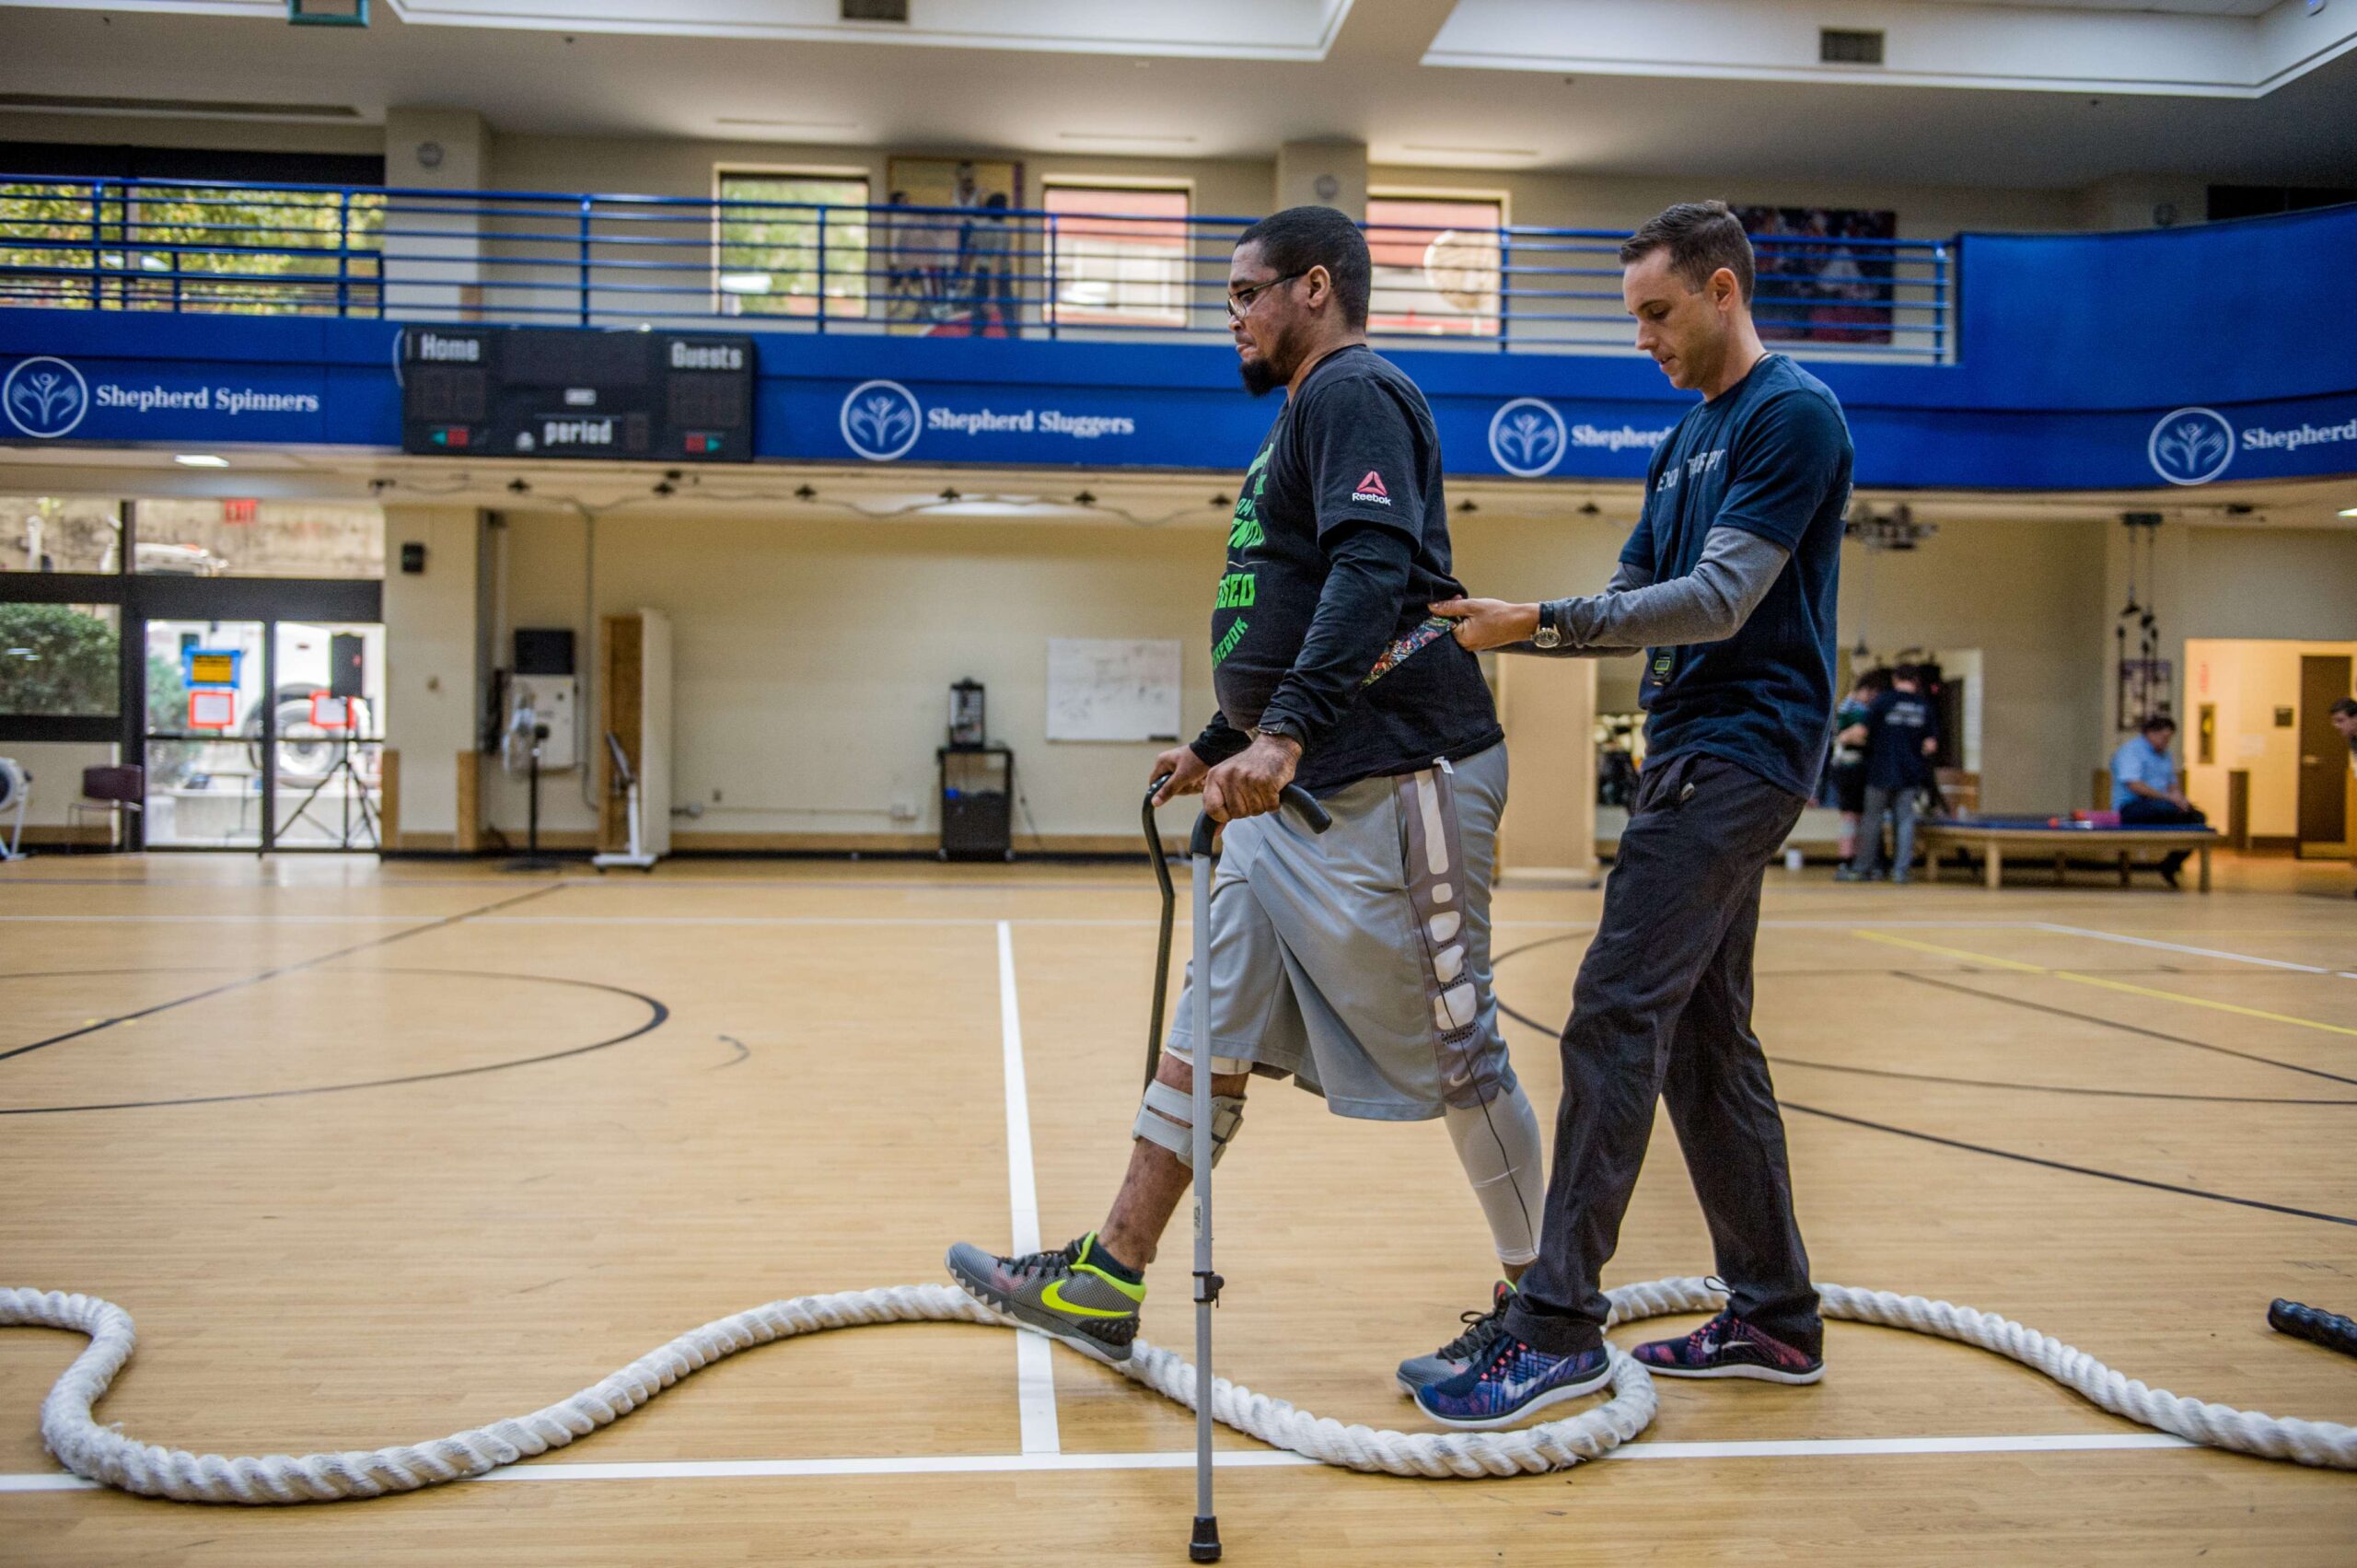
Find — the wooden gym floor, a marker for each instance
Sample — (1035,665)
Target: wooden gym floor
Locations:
(374,1153)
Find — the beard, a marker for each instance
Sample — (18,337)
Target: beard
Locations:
(1274,368)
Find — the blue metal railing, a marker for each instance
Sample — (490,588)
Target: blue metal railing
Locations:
(609,260)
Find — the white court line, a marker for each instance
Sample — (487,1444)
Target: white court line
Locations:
(221,919)
(1245,1458)
(2181,947)
(1035,1375)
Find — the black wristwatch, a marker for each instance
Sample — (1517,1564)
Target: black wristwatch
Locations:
(1550,634)
(1281,728)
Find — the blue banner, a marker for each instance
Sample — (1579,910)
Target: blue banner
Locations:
(107,379)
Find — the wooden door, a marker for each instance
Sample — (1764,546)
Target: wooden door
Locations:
(2324,756)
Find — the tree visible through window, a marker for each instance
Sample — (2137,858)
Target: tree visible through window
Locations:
(788,240)
(1437,264)
(148,245)
(1121,255)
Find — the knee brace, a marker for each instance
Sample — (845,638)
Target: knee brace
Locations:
(1167,1117)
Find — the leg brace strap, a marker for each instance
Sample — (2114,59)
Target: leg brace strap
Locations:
(1167,1117)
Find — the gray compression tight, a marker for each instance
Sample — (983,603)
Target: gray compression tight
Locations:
(1498,1144)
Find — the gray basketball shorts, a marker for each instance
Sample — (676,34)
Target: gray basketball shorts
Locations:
(1356,961)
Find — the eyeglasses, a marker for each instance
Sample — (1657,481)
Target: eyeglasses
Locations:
(1240,301)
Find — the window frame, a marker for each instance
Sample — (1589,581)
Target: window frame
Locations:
(1479,326)
(723,171)
(1054,313)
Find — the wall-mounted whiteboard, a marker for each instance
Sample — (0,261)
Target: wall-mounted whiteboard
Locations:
(1112,689)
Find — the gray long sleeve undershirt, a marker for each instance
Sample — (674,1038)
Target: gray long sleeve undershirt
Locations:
(1707,605)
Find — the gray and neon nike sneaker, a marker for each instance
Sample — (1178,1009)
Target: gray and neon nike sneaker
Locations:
(1480,1329)
(1063,1294)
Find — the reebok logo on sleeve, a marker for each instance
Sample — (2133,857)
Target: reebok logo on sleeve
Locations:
(1371,489)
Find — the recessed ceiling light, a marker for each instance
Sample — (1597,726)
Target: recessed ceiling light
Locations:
(784,124)
(201,461)
(1478,152)
(1122,137)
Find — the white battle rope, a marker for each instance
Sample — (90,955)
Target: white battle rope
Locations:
(101,1454)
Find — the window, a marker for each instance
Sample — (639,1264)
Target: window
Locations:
(1121,255)
(59,660)
(148,247)
(265,539)
(1437,264)
(60,533)
(789,241)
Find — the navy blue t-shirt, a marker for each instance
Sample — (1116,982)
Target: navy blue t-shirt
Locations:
(1771,456)
(1897,726)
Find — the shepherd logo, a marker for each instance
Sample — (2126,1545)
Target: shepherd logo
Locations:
(2192,445)
(1371,489)
(880,420)
(45,398)
(1527,438)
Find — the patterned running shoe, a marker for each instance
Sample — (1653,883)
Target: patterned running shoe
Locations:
(1513,1382)
(1726,1346)
(1480,1329)
(1061,1293)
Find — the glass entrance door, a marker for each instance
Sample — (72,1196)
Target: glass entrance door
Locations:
(328,716)
(265,735)
(207,744)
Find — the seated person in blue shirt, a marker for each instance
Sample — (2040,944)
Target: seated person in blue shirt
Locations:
(2144,788)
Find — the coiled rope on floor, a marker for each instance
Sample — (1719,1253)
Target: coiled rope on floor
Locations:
(101,1454)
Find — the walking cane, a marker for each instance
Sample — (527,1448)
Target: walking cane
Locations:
(1205,1546)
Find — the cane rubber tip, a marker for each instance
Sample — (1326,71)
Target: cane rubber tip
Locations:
(1204,1547)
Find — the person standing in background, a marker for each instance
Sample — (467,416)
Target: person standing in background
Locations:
(1901,736)
(2344,719)
(1849,769)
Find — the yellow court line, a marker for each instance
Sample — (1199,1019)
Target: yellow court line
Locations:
(2107,984)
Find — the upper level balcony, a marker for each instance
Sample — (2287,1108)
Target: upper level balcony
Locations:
(625,261)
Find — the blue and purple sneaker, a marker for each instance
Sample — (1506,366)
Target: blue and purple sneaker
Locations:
(1726,1346)
(1513,1381)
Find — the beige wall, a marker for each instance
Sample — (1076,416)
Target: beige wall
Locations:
(431,675)
(57,771)
(2024,592)
(2272,583)
(814,656)
(1243,186)
(2247,681)
(1570,200)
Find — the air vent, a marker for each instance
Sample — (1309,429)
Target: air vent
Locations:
(1835,46)
(876,10)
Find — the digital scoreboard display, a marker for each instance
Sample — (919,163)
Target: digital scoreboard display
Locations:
(551,392)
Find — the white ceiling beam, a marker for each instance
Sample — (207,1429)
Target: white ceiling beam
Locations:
(2008,48)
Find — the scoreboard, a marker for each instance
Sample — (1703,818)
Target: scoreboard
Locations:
(555,392)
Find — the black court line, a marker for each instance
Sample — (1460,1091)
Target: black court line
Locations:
(1529,1022)
(1863,970)
(2114,1024)
(2074,1169)
(656,1015)
(1993,1082)
(2031,1159)
(273,974)
(2048,1088)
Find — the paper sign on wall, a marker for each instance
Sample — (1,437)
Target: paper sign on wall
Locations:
(212,709)
(1113,689)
